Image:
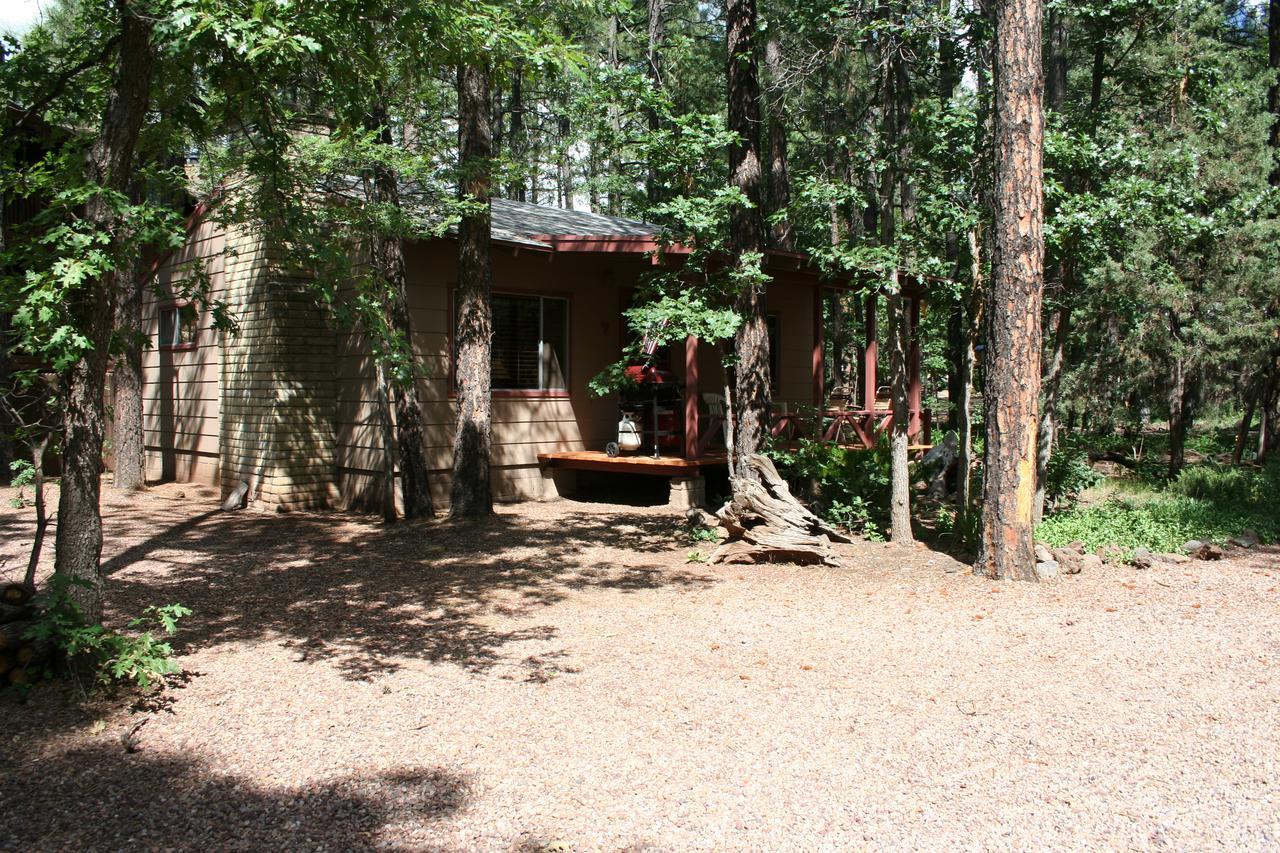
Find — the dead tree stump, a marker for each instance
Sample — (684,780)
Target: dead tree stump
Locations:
(767,524)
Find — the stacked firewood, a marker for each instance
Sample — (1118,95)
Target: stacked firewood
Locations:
(18,655)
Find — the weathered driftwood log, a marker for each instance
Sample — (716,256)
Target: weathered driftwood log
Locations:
(767,524)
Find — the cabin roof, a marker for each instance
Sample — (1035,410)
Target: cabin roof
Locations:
(536,222)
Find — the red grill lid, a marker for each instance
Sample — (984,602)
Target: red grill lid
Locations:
(650,375)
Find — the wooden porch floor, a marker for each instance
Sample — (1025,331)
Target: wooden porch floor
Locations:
(663,466)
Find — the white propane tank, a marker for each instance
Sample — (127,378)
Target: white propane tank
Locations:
(628,433)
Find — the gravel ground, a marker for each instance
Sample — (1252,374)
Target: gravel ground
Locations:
(561,674)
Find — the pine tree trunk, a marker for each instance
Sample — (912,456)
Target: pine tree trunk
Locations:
(1017,281)
(964,406)
(1246,420)
(1273,91)
(657,10)
(517,136)
(900,480)
(78,543)
(746,235)
(129,451)
(471,494)
(1049,411)
(389,259)
(781,234)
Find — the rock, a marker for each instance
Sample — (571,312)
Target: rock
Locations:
(1047,570)
(938,463)
(1176,559)
(1208,551)
(1043,554)
(1091,563)
(1246,539)
(1142,559)
(1068,559)
(1192,546)
(698,517)
(235,500)
(1111,553)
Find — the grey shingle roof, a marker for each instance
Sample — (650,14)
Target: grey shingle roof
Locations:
(524,220)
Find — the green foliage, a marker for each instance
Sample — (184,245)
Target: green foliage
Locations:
(137,655)
(1206,503)
(23,475)
(849,488)
(1068,473)
(692,534)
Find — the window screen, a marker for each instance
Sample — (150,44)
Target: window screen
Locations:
(530,343)
(178,325)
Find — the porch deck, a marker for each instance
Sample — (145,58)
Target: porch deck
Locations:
(663,466)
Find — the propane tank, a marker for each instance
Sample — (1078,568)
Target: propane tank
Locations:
(628,434)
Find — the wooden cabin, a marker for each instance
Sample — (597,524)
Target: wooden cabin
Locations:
(289,404)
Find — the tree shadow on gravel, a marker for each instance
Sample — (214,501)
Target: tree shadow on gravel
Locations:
(337,588)
(99,798)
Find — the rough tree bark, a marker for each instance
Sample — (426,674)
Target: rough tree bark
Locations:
(471,494)
(781,234)
(1060,322)
(1012,387)
(129,464)
(895,183)
(388,257)
(78,542)
(746,234)
(1273,91)
(899,475)
(964,406)
(517,136)
(657,34)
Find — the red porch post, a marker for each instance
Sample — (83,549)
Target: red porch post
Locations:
(690,397)
(913,375)
(869,356)
(819,391)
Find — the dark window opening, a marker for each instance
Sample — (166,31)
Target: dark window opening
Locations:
(179,326)
(530,345)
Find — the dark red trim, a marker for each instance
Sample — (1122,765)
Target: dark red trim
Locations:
(691,397)
(870,354)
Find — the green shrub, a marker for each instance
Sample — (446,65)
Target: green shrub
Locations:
(848,488)
(138,656)
(1206,502)
(1068,474)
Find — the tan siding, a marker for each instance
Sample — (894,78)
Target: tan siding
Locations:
(181,387)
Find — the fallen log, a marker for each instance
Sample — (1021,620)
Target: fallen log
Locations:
(16,594)
(767,524)
(11,634)
(13,612)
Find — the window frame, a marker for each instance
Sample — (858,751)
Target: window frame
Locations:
(518,393)
(177,306)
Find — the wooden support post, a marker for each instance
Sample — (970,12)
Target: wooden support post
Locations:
(869,356)
(913,369)
(690,397)
(819,389)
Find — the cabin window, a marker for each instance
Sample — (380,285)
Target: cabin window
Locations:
(178,326)
(530,343)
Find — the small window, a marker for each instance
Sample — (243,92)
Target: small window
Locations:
(178,326)
(530,345)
